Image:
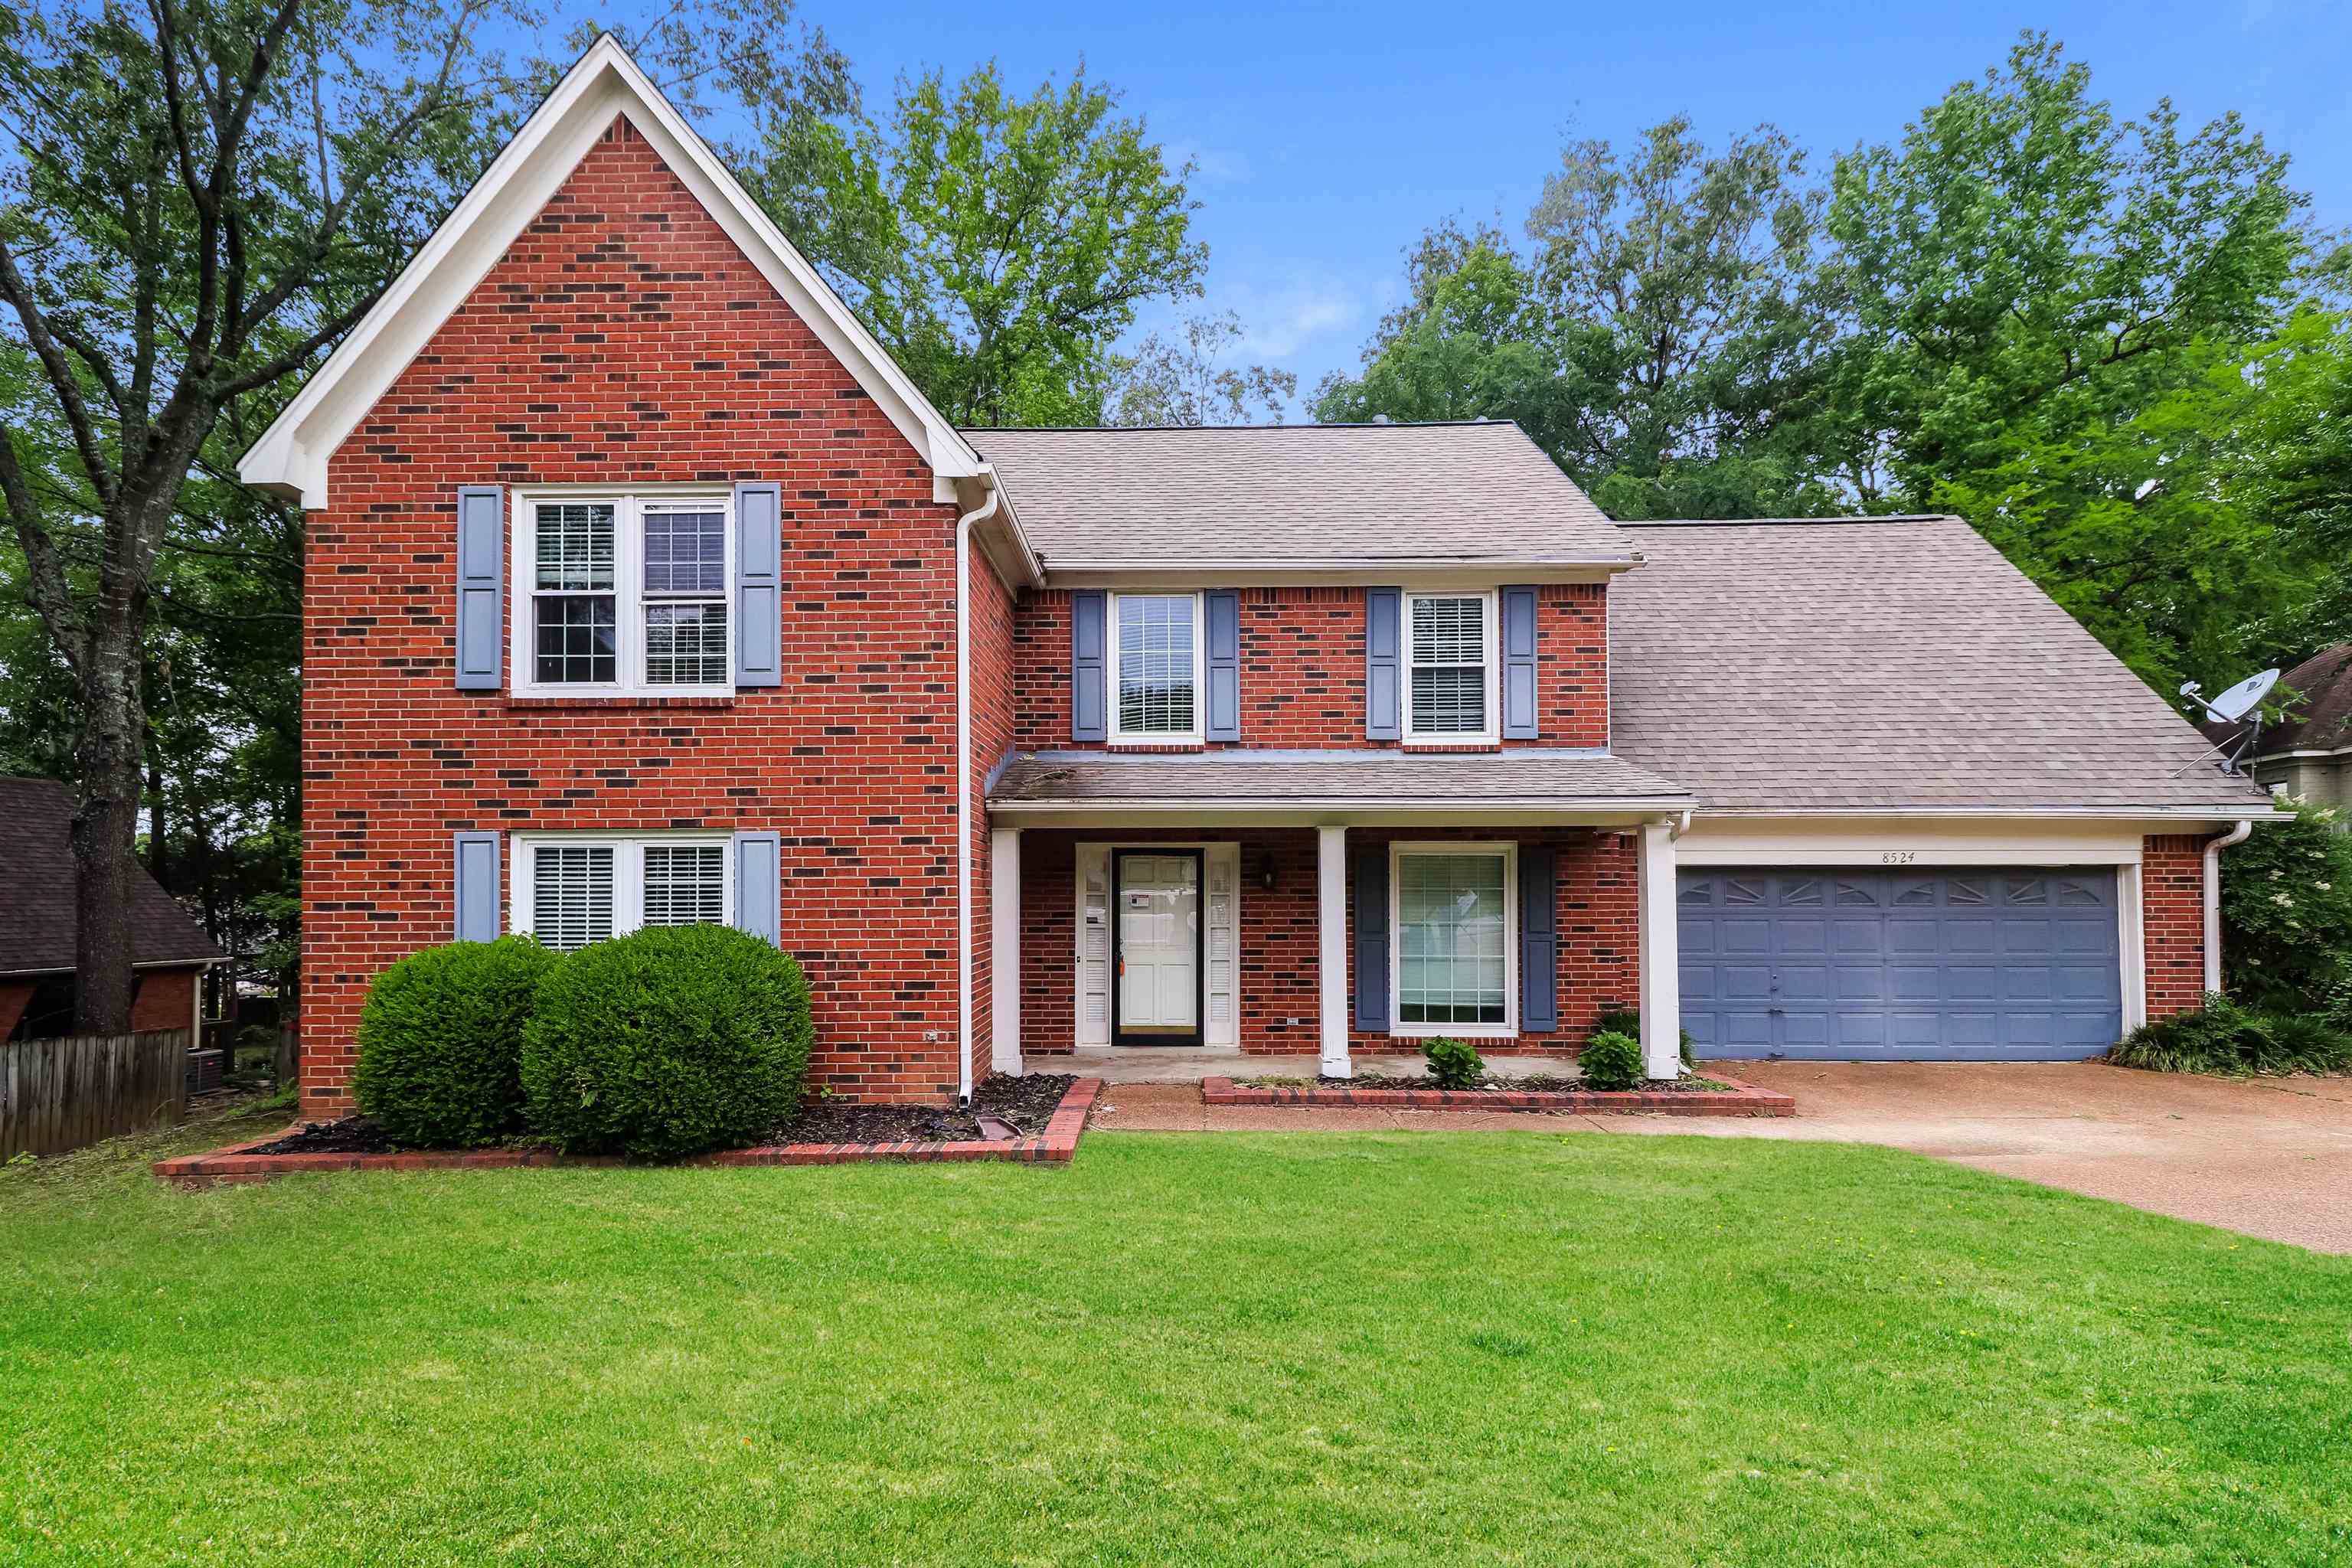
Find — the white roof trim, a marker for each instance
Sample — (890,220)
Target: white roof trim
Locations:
(291,457)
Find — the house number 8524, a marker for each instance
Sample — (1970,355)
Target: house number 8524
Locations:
(1898,856)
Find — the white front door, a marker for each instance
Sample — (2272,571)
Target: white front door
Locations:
(1158,944)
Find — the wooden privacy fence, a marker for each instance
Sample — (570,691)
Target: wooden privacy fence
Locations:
(57,1095)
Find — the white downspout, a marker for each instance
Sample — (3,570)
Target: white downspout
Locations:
(964,524)
(2213,847)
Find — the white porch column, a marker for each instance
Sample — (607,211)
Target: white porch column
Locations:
(1662,1013)
(1004,950)
(1331,916)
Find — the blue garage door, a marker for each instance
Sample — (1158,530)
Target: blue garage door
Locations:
(1841,966)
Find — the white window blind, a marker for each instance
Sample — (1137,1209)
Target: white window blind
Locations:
(1156,651)
(1449,665)
(574,597)
(686,884)
(571,894)
(686,597)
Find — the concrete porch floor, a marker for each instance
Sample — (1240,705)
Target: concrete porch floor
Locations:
(1138,1064)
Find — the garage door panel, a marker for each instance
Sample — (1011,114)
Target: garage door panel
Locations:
(1953,964)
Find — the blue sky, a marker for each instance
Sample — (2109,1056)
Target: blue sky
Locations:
(1328,136)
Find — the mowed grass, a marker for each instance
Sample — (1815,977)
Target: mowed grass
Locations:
(1394,1348)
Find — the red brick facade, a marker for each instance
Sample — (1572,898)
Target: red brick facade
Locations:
(1279,1004)
(623,338)
(1302,668)
(2172,903)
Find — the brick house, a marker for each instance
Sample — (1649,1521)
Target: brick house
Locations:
(645,588)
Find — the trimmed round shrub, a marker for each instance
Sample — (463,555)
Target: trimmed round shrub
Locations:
(669,1041)
(441,1042)
(1611,1060)
(1454,1064)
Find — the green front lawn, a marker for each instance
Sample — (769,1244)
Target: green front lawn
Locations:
(1402,1349)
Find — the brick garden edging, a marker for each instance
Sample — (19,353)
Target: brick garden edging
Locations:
(1739,1099)
(238,1163)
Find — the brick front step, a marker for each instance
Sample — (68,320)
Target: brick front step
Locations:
(1739,1099)
(238,1163)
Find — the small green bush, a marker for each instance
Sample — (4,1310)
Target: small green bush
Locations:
(1628,1021)
(440,1042)
(1454,1064)
(1611,1060)
(2286,910)
(668,1042)
(2227,1039)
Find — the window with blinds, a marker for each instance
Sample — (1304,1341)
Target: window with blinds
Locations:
(1158,640)
(571,894)
(1452,939)
(686,884)
(686,597)
(575,589)
(1450,659)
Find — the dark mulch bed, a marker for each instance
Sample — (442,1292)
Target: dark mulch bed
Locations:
(1539,1083)
(1028,1103)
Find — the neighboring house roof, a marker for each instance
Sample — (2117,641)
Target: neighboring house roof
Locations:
(1526,777)
(291,458)
(2322,705)
(37,917)
(1296,495)
(1863,663)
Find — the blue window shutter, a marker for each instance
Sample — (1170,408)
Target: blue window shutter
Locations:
(759,885)
(481,587)
(1088,716)
(1222,613)
(758,583)
(1372,940)
(1383,718)
(1538,940)
(1519,719)
(478,893)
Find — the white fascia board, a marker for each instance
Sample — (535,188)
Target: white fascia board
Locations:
(2236,811)
(291,457)
(1421,571)
(1336,812)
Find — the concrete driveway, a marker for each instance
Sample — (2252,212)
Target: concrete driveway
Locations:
(2269,1157)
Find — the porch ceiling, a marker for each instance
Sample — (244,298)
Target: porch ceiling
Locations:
(1555,785)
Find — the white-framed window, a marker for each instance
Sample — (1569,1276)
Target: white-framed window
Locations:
(1454,955)
(572,888)
(1156,680)
(1451,690)
(623,594)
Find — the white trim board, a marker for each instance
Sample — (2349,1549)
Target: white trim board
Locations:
(1221,883)
(1400,851)
(291,457)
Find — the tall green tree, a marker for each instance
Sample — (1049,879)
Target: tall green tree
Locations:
(1658,340)
(1188,377)
(999,245)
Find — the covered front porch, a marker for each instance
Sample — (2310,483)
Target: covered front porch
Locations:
(1248,909)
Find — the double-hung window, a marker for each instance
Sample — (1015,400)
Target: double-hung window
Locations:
(623,594)
(1450,684)
(1155,679)
(1454,908)
(572,888)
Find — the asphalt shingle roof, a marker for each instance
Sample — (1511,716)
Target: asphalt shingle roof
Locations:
(1863,663)
(1276,778)
(2322,708)
(1296,493)
(36,890)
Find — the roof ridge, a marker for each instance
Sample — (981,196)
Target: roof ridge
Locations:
(1205,429)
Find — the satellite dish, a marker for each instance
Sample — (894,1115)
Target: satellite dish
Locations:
(2240,700)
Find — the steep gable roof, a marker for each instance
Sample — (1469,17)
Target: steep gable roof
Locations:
(1860,664)
(1316,495)
(291,457)
(37,917)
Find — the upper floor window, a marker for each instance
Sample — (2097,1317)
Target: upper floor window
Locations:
(623,594)
(1155,674)
(1450,684)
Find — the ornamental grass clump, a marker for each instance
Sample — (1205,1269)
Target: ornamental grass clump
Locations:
(2230,1040)
(1454,1064)
(670,1041)
(440,1042)
(1610,1059)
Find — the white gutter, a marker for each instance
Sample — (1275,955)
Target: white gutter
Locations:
(2213,847)
(964,791)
